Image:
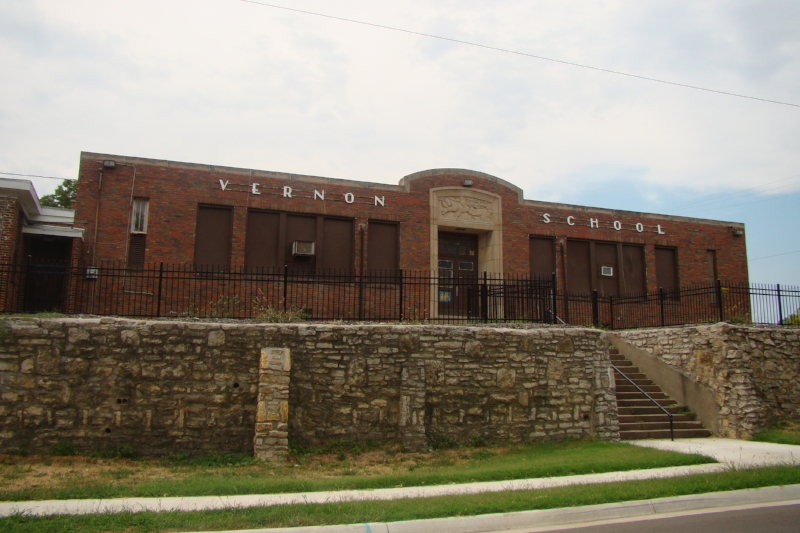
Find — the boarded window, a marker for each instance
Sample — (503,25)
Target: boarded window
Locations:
(633,273)
(383,246)
(579,273)
(606,269)
(136,250)
(666,268)
(212,248)
(261,240)
(303,229)
(337,245)
(542,256)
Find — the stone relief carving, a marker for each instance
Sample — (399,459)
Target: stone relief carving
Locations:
(460,208)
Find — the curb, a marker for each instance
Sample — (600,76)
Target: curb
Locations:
(555,518)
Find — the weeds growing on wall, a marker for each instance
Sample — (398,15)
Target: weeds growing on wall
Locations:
(279,316)
(439,441)
(65,447)
(120,451)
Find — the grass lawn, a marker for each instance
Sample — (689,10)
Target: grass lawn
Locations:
(783,432)
(51,477)
(363,512)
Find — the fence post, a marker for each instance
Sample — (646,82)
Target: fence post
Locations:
(780,306)
(595,309)
(485,299)
(719,299)
(555,298)
(285,285)
(611,310)
(160,278)
(361,296)
(661,304)
(401,295)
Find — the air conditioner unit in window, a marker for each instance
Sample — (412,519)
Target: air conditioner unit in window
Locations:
(607,271)
(303,248)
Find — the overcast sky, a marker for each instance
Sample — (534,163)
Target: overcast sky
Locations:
(232,83)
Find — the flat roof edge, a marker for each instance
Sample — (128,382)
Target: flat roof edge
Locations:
(676,218)
(127,160)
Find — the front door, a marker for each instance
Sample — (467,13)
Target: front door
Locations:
(458,274)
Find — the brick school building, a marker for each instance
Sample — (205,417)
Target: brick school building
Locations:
(451,223)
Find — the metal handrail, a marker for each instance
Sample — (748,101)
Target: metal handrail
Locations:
(671,428)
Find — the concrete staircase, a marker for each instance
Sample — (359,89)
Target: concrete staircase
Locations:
(638,417)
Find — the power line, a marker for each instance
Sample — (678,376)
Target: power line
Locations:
(749,203)
(515,52)
(739,193)
(35,176)
(771,256)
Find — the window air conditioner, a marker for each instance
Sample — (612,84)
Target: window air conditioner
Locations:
(607,271)
(303,248)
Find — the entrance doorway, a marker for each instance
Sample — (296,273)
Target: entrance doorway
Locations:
(458,274)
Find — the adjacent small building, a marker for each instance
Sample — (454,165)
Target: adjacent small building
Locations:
(39,239)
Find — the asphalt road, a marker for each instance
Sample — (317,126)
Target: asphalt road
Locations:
(782,519)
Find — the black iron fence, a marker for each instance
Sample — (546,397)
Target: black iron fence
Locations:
(691,304)
(180,290)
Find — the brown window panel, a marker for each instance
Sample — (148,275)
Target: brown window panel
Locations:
(136,250)
(382,248)
(213,238)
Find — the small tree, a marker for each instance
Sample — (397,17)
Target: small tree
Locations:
(64,196)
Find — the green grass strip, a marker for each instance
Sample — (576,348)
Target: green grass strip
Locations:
(411,509)
(532,461)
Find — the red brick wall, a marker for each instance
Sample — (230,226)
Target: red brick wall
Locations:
(9,228)
(176,189)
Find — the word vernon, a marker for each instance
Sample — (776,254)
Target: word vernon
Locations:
(318,195)
(594,223)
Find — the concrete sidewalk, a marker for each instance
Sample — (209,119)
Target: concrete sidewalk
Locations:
(741,454)
(736,453)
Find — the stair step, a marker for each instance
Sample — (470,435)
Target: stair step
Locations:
(664,434)
(633,419)
(632,376)
(621,382)
(648,388)
(644,402)
(635,395)
(664,424)
(629,369)
(644,410)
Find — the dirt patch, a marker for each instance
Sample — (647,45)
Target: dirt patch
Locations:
(53,472)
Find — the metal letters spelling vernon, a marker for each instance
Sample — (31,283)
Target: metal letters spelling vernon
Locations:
(289,192)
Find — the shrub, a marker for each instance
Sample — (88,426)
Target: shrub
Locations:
(441,442)
(65,447)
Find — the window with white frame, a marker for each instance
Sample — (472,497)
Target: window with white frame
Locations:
(138,236)
(139,216)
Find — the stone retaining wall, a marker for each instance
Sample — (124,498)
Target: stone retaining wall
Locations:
(195,387)
(752,370)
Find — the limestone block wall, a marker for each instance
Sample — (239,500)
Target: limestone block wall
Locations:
(202,387)
(753,371)
(159,387)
